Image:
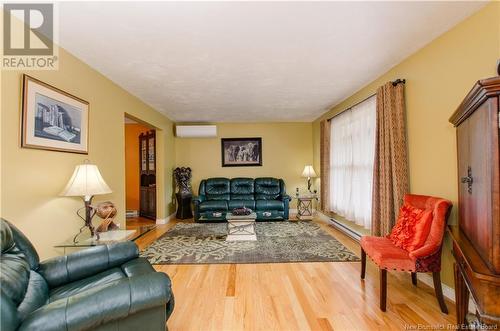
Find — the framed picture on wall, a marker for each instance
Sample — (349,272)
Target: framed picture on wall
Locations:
(53,119)
(241,152)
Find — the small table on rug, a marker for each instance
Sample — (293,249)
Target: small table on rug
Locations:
(241,227)
(109,237)
(305,207)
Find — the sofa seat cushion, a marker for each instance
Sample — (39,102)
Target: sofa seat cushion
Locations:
(241,203)
(212,205)
(386,255)
(242,196)
(223,197)
(269,205)
(267,196)
(86,284)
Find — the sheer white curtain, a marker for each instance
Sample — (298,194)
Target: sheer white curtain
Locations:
(352,149)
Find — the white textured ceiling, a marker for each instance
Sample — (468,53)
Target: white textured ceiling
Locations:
(250,61)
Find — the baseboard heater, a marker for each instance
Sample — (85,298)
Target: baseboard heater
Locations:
(131,213)
(346,230)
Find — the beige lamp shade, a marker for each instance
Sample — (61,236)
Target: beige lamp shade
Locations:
(308,172)
(86,182)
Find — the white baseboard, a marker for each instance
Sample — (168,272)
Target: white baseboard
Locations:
(322,217)
(294,211)
(448,292)
(165,220)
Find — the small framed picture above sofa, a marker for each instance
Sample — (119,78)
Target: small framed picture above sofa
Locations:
(241,152)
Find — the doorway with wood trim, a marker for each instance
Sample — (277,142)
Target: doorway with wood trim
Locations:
(140,173)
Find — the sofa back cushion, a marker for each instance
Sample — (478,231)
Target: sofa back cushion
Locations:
(217,189)
(242,189)
(267,188)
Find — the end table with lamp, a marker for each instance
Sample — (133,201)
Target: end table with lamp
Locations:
(305,207)
(86,182)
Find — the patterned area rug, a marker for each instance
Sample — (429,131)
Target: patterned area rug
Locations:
(277,242)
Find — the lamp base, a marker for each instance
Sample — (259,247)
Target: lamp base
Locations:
(89,214)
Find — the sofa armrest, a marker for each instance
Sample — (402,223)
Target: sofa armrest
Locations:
(64,269)
(102,304)
(285,197)
(199,199)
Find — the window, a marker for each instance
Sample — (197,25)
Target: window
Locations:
(352,148)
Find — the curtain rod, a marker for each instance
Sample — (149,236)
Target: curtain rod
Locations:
(394,83)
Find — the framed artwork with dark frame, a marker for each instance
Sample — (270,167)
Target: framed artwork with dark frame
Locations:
(53,119)
(241,152)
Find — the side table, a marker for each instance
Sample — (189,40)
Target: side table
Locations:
(305,207)
(108,237)
(241,227)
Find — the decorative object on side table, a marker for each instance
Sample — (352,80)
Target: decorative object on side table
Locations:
(308,173)
(244,211)
(107,211)
(53,119)
(241,152)
(184,195)
(86,182)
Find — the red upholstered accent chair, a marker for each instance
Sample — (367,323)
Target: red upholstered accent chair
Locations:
(424,259)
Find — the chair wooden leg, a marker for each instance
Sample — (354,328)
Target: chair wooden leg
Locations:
(383,289)
(363,263)
(436,277)
(414,278)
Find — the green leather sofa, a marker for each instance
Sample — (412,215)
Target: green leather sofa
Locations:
(105,287)
(218,196)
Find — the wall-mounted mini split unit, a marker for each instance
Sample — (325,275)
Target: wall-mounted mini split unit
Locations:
(196,131)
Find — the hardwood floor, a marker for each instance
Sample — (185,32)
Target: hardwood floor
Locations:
(296,296)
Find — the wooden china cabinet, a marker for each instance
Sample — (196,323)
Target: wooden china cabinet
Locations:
(476,238)
(147,167)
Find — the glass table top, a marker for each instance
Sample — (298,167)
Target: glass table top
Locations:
(113,236)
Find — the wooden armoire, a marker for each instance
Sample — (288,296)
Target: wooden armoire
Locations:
(476,238)
(147,173)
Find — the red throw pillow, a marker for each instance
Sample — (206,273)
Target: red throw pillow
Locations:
(412,228)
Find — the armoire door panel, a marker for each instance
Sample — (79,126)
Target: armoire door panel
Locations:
(493,129)
(480,202)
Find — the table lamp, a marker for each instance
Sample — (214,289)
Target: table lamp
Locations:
(308,173)
(86,182)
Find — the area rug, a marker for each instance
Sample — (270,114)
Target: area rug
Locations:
(277,242)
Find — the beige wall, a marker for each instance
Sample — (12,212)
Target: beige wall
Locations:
(286,150)
(32,179)
(437,79)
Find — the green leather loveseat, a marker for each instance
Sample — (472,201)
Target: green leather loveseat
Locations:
(218,196)
(105,287)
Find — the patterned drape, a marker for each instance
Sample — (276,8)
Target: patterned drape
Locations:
(325,166)
(390,169)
